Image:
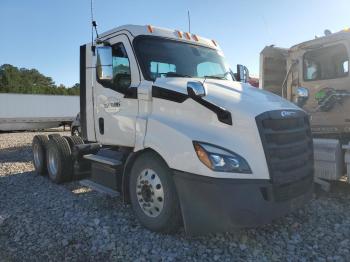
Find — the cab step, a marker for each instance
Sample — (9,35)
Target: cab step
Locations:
(99,188)
(103,160)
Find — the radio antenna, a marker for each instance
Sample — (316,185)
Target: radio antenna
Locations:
(93,26)
(189,21)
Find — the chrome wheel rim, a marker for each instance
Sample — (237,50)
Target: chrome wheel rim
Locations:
(37,155)
(150,193)
(53,162)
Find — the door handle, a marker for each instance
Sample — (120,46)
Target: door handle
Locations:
(101,125)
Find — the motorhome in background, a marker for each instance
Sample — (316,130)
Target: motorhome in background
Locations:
(33,112)
(315,76)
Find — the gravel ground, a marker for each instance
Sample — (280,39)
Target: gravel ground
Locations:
(42,221)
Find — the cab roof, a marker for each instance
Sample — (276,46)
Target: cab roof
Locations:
(136,30)
(319,41)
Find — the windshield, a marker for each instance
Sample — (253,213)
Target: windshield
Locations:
(161,57)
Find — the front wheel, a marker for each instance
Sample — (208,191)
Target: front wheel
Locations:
(153,194)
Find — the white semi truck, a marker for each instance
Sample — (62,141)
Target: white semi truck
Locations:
(164,123)
(33,112)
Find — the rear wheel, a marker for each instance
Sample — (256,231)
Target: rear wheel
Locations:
(74,140)
(80,164)
(153,195)
(53,135)
(59,160)
(39,146)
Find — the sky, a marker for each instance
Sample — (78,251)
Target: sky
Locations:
(46,34)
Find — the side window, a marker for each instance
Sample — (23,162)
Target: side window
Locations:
(159,69)
(121,70)
(326,63)
(346,67)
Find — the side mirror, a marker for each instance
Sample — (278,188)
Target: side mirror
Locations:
(196,89)
(301,96)
(104,63)
(242,73)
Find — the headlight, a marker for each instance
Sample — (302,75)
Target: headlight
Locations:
(221,160)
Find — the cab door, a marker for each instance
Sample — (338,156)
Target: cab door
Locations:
(115,100)
(324,72)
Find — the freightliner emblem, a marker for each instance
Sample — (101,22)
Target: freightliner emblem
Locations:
(287,113)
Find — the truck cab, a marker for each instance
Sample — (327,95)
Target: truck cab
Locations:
(315,76)
(165,123)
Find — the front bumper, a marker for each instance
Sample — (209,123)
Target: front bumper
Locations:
(221,205)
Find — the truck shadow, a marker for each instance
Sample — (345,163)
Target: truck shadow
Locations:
(18,154)
(340,187)
(337,188)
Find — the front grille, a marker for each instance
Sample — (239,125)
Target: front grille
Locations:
(287,142)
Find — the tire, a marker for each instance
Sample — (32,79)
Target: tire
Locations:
(53,135)
(59,160)
(74,140)
(39,146)
(80,165)
(167,219)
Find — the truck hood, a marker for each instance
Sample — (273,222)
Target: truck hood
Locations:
(232,96)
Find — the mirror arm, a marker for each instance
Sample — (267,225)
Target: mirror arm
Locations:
(238,72)
(196,89)
(102,42)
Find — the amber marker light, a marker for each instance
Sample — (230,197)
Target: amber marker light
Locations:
(195,37)
(150,28)
(188,36)
(179,34)
(202,155)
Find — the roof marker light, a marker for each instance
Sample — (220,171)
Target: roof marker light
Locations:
(214,42)
(188,36)
(347,29)
(179,34)
(195,37)
(150,29)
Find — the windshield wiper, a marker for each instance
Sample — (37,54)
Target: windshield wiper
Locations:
(216,77)
(173,74)
(221,77)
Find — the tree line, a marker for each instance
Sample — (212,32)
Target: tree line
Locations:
(31,81)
